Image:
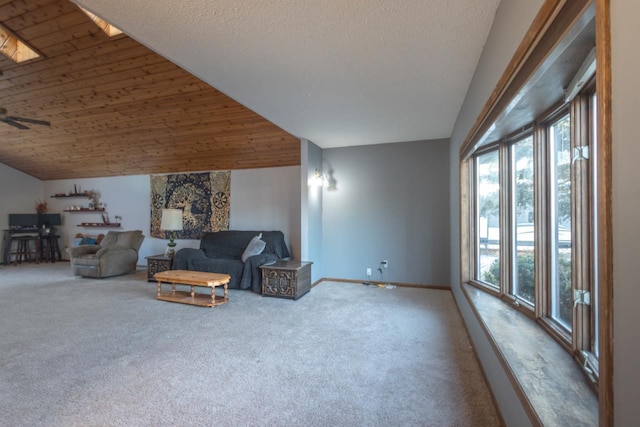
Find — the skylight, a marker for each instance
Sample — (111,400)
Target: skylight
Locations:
(14,48)
(108,29)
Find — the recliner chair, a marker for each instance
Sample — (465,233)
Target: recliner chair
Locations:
(116,254)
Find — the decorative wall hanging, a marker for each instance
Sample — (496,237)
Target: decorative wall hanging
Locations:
(203,197)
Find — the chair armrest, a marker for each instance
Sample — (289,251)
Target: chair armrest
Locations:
(83,250)
(114,249)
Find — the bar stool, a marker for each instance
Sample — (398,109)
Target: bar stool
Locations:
(50,247)
(27,249)
(16,246)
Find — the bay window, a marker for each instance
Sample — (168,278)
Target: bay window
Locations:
(533,229)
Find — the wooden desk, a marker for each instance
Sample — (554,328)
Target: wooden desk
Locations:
(193,279)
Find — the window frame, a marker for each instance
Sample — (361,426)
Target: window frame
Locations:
(544,312)
(513,224)
(492,288)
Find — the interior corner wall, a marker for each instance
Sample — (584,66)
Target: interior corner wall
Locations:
(304,199)
(511,22)
(268,199)
(261,199)
(312,205)
(387,202)
(19,193)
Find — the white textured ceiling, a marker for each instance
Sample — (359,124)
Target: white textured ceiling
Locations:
(336,72)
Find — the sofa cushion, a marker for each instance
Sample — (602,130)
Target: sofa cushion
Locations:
(218,251)
(227,244)
(255,247)
(232,267)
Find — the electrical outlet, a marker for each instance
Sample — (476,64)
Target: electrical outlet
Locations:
(385,263)
(368,272)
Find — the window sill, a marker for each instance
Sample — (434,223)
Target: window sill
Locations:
(551,386)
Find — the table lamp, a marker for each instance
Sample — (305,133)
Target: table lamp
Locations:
(171,222)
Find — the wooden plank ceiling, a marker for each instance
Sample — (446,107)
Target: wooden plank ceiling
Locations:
(117,108)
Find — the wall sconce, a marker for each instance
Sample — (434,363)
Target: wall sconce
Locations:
(171,221)
(321,179)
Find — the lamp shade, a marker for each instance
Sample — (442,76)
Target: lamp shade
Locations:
(171,220)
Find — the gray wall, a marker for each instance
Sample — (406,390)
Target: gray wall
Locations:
(511,22)
(267,199)
(625,33)
(387,201)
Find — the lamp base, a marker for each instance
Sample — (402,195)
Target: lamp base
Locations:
(170,251)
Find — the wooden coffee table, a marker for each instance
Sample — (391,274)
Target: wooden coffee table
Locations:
(193,279)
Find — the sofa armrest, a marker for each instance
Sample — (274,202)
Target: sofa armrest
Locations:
(83,250)
(260,259)
(114,249)
(252,274)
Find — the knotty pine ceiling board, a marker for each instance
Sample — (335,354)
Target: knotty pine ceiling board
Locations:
(117,108)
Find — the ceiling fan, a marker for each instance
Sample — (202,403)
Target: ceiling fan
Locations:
(13,121)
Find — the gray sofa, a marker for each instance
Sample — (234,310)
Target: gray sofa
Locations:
(116,254)
(221,252)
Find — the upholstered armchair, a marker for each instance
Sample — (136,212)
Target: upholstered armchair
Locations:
(116,254)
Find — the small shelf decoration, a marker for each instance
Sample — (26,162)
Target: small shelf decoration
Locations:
(99,224)
(41,207)
(76,193)
(94,200)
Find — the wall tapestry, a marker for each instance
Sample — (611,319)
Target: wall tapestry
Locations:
(204,198)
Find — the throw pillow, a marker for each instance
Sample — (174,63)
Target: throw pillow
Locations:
(78,241)
(255,247)
(88,241)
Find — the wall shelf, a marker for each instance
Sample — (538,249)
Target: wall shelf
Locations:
(55,196)
(100,224)
(75,208)
(85,210)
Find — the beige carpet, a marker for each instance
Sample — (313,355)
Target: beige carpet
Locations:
(87,352)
